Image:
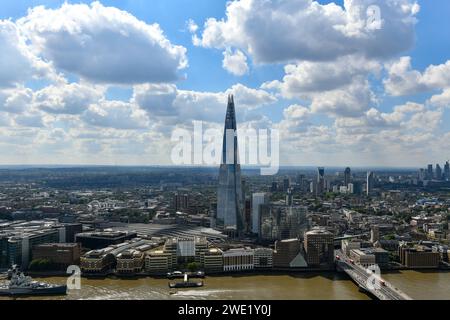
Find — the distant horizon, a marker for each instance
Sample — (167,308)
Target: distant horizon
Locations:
(245,167)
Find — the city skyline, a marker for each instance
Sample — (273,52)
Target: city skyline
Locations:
(369,95)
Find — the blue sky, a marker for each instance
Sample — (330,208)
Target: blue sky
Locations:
(350,118)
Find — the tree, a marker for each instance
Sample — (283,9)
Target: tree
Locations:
(193,266)
(41,265)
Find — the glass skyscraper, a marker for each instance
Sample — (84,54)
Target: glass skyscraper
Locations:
(230,204)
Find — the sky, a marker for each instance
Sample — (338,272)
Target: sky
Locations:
(345,83)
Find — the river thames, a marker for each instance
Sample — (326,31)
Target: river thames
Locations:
(420,285)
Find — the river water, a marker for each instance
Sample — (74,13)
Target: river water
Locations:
(303,286)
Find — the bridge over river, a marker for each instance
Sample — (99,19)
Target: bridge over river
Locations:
(364,278)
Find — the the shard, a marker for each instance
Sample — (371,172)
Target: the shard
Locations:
(230,215)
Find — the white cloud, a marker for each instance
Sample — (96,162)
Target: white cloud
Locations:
(235,62)
(116,114)
(290,30)
(403,80)
(192,26)
(307,77)
(103,44)
(184,105)
(17,63)
(16,100)
(350,101)
(71,98)
(441,100)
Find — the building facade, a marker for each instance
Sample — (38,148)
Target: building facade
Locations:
(230,202)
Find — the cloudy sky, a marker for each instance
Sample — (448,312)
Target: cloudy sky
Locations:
(107,82)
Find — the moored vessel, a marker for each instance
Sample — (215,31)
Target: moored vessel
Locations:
(21,285)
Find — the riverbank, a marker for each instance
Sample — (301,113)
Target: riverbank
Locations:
(420,285)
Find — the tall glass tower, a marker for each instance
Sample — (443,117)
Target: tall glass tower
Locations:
(230,204)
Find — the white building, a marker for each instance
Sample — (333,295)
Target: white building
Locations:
(238,259)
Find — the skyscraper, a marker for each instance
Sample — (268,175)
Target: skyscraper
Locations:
(369,185)
(438,174)
(320,180)
(447,171)
(230,215)
(258,199)
(347,176)
(430,172)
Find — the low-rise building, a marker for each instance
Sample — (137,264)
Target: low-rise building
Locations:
(158,262)
(98,261)
(418,257)
(350,244)
(61,255)
(238,259)
(285,252)
(213,261)
(362,257)
(130,262)
(263,258)
(103,239)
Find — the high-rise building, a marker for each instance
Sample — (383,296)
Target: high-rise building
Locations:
(286,184)
(447,171)
(438,172)
(347,176)
(289,197)
(369,183)
(320,180)
(430,172)
(374,234)
(230,205)
(180,201)
(258,199)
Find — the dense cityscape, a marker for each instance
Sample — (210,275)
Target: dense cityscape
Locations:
(139,222)
(224,158)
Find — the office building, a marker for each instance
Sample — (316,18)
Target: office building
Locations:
(289,197)
(98,261)
(350,244)
(286,184)
(130,262)
(319,247)
(238,259)
(103,239)
(347,177)
(285,252)
(213,261)
(374,234)
(320,188)
(158,262)
(181,201)
(61,255)
(430,172)
(369,183)
(447,171)
(230,204)
(263,258)
(438,172)
(418,257)
(362,258)
(258,199)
